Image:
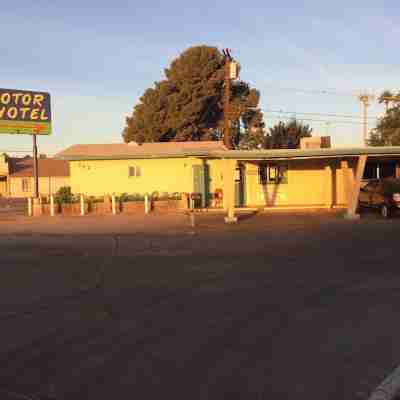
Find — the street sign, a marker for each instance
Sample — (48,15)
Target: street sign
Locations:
(25,112)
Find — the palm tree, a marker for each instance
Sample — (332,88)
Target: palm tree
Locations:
(385,98)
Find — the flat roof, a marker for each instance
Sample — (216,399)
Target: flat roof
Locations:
(114,151)
(214,150)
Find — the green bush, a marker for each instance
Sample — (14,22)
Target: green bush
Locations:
(153,196)
(130,197)
(65,196)
(93,199)
(166,196)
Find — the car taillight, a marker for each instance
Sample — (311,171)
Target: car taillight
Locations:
(396,196)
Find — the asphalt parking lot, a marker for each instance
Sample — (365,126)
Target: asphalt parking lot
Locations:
(277,306)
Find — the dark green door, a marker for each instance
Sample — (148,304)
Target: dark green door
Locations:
(201,184)
(240,192)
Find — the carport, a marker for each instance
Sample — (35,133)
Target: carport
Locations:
(348,163)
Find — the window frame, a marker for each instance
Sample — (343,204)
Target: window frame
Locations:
(134,171)
(280,177)
(26,185)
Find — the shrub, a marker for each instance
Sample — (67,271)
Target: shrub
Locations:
(64,195)
(166,196)
(130,197)
(93,199)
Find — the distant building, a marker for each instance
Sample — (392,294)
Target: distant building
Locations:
(17,179)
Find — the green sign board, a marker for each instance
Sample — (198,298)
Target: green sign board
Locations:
(25,112)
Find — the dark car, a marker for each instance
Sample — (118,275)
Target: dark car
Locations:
(383,194)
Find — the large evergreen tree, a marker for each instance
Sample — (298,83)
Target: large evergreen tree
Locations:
(188,104)
(387,131)
(287,135)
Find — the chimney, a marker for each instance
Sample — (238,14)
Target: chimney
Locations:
(315,142)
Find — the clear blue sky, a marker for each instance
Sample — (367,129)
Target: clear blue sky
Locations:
(97,57)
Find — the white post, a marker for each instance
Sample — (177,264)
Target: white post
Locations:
(82,205)
(113,204)
(192,219)
(52,205)
(146,204)
(30,206)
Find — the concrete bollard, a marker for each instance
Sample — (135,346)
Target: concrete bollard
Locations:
(113,204)
(82,205)
(52,211)
(36,207)
(146,204)
(30,210)
(192,219)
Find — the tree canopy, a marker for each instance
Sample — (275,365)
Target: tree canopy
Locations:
(188,103)
(387,131)
(287,135)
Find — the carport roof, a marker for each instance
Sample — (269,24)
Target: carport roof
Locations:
(285,154)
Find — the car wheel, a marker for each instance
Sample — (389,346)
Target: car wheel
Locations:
(385,211)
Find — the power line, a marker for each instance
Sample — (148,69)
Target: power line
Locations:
(333,122)
(318,114)
(332,92)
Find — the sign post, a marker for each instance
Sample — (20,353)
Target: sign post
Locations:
(35,168)
(24,112)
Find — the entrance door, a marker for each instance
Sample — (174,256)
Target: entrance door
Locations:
(240,200)
(201,183)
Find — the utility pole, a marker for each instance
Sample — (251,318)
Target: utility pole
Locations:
(227,94)
(231,72)
(365,98)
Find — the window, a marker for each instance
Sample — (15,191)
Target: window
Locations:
(134,171)
(26,185)
(272,174)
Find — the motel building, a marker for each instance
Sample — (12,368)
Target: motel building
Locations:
(309,177)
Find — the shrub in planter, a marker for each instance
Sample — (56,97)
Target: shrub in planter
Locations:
(99,205)
(64,195)
(166,201)
(67,202)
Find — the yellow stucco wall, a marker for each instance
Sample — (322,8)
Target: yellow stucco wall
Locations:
(99,177)
(309,184)
(47,186)
(3,186)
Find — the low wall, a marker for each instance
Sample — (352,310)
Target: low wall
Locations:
(102,208)
(132,207)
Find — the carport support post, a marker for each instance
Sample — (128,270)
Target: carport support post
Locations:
(354,191)
(30,213)
(113,204)
(229,168)
(329,184)
(52,205)
(82,205)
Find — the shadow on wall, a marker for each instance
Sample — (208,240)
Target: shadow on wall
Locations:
(270,198)
(271,190)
